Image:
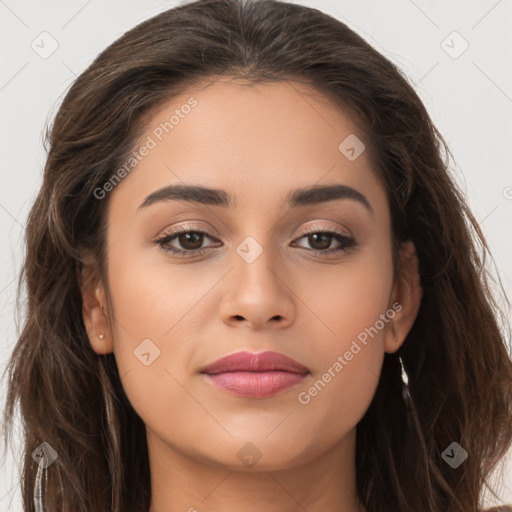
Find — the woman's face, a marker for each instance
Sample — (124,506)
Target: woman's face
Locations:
(261,282)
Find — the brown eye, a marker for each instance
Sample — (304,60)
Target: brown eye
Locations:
(184,241)
(191,240)
(320,241)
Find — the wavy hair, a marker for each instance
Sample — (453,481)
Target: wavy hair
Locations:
(456,357)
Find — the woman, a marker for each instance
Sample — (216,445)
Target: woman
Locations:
(252,284)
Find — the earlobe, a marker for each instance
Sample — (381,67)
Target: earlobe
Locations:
(94,311)
(406,297)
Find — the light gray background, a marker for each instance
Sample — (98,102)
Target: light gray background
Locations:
(469,99)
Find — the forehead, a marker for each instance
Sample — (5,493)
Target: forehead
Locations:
(256,141)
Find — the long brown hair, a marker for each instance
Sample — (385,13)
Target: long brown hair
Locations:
(460,372)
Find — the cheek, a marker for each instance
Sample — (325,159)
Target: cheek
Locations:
(351,297)
(154,311)
(151,301)
(354,306)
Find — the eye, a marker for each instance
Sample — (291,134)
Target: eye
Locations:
(190,241)
(188,238)
(321,240)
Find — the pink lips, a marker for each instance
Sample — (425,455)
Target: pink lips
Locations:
(255,375)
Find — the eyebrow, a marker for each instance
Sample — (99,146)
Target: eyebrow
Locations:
(315,194)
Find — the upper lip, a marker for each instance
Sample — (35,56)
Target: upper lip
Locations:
(250,362)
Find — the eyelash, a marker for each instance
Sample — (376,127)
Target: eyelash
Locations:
(346,241)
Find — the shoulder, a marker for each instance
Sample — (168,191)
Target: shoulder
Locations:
(502,508)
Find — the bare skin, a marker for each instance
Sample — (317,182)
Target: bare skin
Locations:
(256,143)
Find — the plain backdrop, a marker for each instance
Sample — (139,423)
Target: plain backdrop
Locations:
(456,53)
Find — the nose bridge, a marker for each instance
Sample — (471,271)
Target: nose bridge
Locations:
(256,264)
(258,243)
(257,292)
(259,259)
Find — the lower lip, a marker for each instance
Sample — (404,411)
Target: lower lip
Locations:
(256,384)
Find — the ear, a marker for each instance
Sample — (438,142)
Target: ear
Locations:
(405,298)
(94,307)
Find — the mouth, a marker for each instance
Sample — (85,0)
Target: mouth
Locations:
(258,375)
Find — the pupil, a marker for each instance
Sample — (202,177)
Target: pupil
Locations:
(324,245)
(189,238)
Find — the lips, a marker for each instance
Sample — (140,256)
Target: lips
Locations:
(252,375)
(249,362)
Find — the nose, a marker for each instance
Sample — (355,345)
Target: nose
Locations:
(257,296)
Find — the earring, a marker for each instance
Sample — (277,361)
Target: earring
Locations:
(405,391)
(405,383)
(38,489)
(101,336)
